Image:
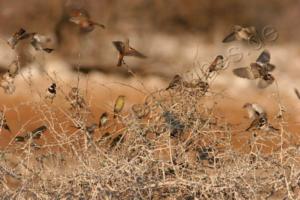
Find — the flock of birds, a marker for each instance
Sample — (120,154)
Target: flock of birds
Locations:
(259,70)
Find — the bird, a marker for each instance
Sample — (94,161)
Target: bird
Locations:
(217,64)
(297,93)
(91,129)
(240,33)
(254,110)
(119,105)
(82,19)
(125,50)
(103,119)
(38,41)
(37,133)
(7,83)
(75,99)
(175,125)
(196,83)
(3,122)
(51,92)
(258,70)
(16,37)
(175,82)
(140,110)
(259,118)
(19,139)
(13,69)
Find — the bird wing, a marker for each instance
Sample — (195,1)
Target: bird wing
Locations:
(98,24)
(257,70)
(229,38)
(119,46)
(264,57)
(297,92)
(270,67)
(244,72)
(175,81)
(133,52)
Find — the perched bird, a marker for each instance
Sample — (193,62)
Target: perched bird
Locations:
(217,64)
(140,110)
(119,105)
(259,118)
(37,133)
(297,93)
(103,120)
(241,34)
(19,139)
(91,129)
(3,122)
(16,37)
(38,42)
(13,69)
(196,83)
(75,99)
(258,70)
(125,50)
(51,92)
(117,140)
(175,125)
(175,82)
(82,19)
(7,82)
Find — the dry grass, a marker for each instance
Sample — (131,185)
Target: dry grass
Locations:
(170,146)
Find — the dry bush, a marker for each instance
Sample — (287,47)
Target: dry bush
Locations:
(171,146)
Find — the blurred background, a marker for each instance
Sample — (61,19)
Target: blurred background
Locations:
(177,36)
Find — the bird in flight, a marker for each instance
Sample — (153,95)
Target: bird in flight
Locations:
(240,33)
(259,118)
(125,50)
(36,40)
(297,93)
(13,40)
(258,70)
(82,19)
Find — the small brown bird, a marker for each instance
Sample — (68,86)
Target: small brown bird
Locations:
(7,82)
(125,50)
(175,82)
(82,19)
(16,37)
(258,70)
(103,120)
(119,105)
(217,64)
(51,92)
(13,69)
(37,133)
(259,118)
(140,110)
(3,122)
(38,42)
(19,139)
(297,93)
(241,34)
(91,129)
(75,99)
